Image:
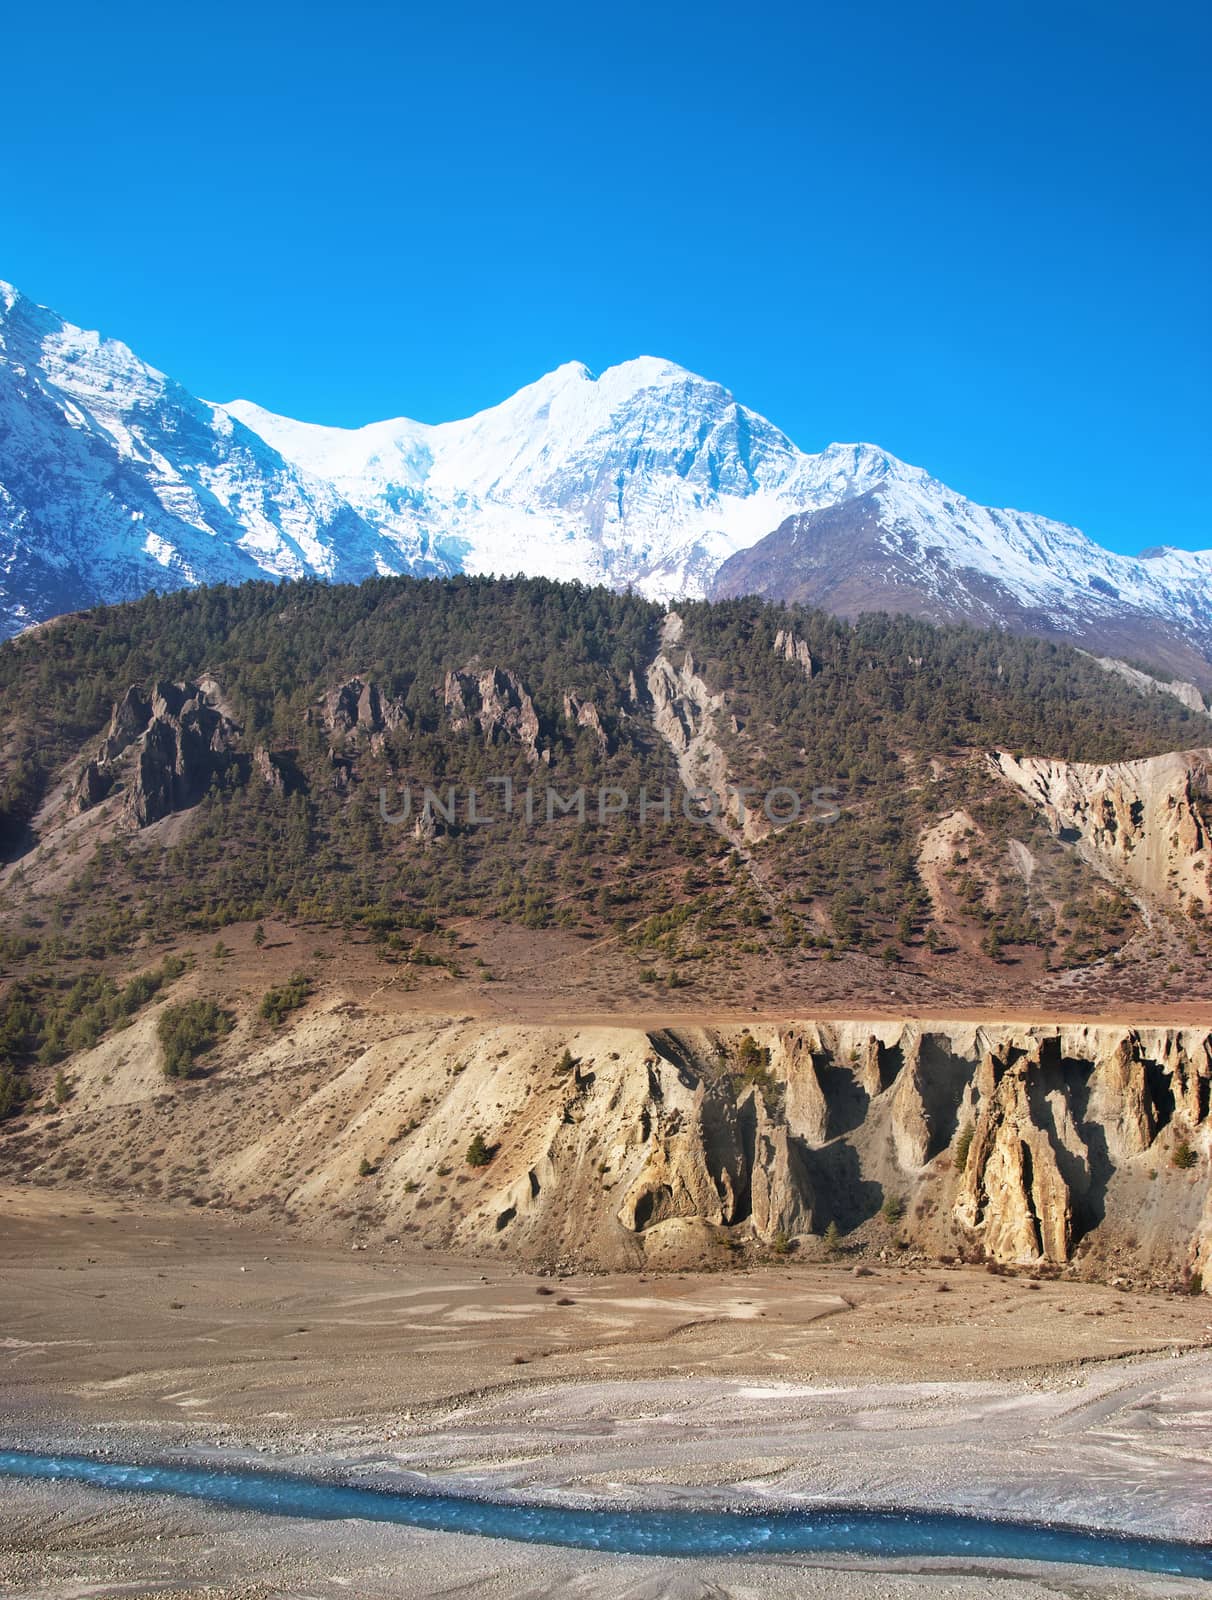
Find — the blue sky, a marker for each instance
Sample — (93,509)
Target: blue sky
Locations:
(978,236)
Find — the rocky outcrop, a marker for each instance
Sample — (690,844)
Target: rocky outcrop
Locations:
(495,701)
(1082,1150)
(584,714)
(795,650)
(781,1198)
(185,744)
(358,708)
(92,786)
(168,744)
(671,1150)
(1013,1198)
(128,720)
(1063,1122)
(269,769)
(713,1157)
(1147,823)
(688,716)
(862,1113)
(1185,693)
(801,1056)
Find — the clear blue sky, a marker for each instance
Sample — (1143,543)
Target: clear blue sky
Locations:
(978,235)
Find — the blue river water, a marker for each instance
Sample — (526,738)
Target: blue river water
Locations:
(637,1532)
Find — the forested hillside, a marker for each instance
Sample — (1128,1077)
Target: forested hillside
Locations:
(187,763)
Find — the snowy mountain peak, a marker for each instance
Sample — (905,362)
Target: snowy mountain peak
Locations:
(393,452)
(651,475)
(114,479)
(867,463)
(644,372)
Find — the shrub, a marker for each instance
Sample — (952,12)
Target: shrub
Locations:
(1184,1157)
(479,1153)
(279,1002)
(12,1092)
(962,1147)
(188,1031)
(893,1209)
(366,1168)
(753,1069)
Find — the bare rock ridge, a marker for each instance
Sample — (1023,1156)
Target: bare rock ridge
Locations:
(169,744)
(494,700)
(1071,1148)
(793,649)
(1185,693)
(688,716)
(1148,823)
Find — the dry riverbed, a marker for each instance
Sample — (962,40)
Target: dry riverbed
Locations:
(138,1331)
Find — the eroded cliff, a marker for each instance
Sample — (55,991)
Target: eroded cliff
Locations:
(1147,823)
(1067,1148)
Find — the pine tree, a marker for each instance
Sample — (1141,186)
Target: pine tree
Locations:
(478,1152)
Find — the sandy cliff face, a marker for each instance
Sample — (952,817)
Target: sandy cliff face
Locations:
(1082,1148)
(1148,823)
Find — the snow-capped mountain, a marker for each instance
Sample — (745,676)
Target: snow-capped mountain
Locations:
(114,479)
(651,476)
(645,475)
(909,544)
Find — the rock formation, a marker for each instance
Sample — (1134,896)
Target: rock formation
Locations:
(1012,1197)
(359,708)
(92,786)
(687,716)
(496,701)
(1185,693)
(1072,1149)
(795,650)
(1148,823)
(269,769)
(584,714)
(168,744)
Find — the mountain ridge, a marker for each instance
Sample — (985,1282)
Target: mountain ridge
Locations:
(114,480)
